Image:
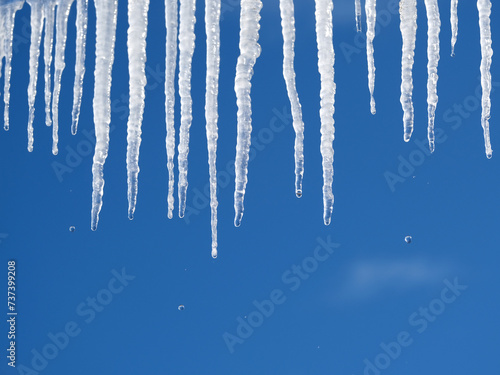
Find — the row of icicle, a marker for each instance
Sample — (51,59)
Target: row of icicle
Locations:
(180,23)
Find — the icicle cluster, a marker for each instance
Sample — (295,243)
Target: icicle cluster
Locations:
(50,15)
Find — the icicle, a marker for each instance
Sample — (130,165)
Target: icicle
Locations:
(357,6)
(48,10)
(7,14)
(106,12)
(137,31)
(326,61)
(288,28)
(212,26)
(434,25)
(371,19)
(63,8)
(81,40)
(484,8)
(454,25)
(408,13)
(171,23)
(186,49)
(249,52)
(36,37)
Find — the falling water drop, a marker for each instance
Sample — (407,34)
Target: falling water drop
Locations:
(408,239)
(181,307)
(72,228)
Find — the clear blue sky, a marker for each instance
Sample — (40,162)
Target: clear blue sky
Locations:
(365,287)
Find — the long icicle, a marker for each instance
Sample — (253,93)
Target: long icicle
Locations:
(357,9)
(63,8)
(288,28)
(484,9)
(212,26)
(371,19)
(408,26)
(249,52)
(81,41)
(454,25)
(326,61)
(186,50)
(36,23)
(8,13)
(48,42)
(434,26)
(136,43)
(171,15)
(106,13)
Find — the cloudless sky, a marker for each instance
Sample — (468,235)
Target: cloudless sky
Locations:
(333,314)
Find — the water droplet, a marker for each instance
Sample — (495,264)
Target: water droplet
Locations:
(72,228)
(408,239)
(181,307)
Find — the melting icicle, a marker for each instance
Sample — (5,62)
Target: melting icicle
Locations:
(454,25)
(434,26)
(8,11)
(326,61)
(249,52)
(138,26)
(81,40)
(49,7)
(63,8)
(371,19)
(170,64)
(36,37)
(212,26)
(357,6)
(408,13)
(484,8)
(186,50)
(106,12)
(288,28)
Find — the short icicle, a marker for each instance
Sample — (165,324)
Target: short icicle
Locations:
(81,41)
(63,8)
(408,26)
(36,19)
(434,26)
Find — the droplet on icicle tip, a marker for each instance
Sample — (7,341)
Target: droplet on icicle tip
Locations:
(214,253)
(298,193)
(408,239)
